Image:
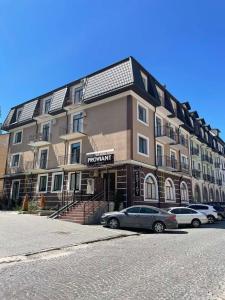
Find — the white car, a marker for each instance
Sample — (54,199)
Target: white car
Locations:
(188,216)
(207,210)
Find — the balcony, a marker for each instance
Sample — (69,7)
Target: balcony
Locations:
(39,140)
(196,173)
(195,151)
(185,168)
(181,143)
(217,165)
(166,162)
(23,167)
(165,134)
(206,158)
(72,162)
(207,177)
(219,181)
(71,133)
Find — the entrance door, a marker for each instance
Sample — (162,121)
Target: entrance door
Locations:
(109,186)
(15,190)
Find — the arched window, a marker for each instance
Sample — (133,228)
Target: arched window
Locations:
(211,196)
(197,194)
(205,194)
(184,192)
(217,195)
(150,188)
(170,194)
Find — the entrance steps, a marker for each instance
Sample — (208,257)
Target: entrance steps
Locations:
(85,212)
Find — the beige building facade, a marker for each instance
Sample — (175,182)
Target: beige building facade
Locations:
(117,133)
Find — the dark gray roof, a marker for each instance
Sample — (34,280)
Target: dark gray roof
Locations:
(8,118)
(58,99)
(28,111)
(109,80)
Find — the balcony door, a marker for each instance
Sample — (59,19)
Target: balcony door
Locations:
(45,132)
(43,158)
(75,153)
(159,155)
(77,123)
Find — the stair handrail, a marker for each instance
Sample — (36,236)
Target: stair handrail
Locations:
(67,206)
(94,198)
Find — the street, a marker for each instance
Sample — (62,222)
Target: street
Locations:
(182,264)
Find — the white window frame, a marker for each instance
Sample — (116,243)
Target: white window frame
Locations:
(14,137)
(79,86)
(53,179)
(43,104)
(13,154)
(39,156)
(69,180)
(159,117)
(163,151)
(38,183)
(45,123)
(17,111)
(156,186)
(184,201)
(14,180)
(144,137)
(71,121)
(174,191)
(69,152)
(145,80)
(147,115)
(173,151)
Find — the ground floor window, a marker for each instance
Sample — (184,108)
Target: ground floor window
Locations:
(205,194)
(217,196)
(42,183)
(74,181)
(170,190)
(57,182)
(184,192)
(197,194)
(211,197)
(150,188)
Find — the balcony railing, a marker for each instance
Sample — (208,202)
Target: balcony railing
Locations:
(182,140)
(166,161)
(206,158)
(184,167)
(196,173)
(165,131)
(217,165)
(206,177)
(195,151)
(219,181)
(39,139)
(71,132)
(72,159)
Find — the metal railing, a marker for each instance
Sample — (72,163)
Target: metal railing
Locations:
(41,136)
(196,173)
(168,131)
(71,159)
(195,151)
(90,206)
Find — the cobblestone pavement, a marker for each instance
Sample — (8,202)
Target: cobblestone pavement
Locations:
(21,234)
(183,264)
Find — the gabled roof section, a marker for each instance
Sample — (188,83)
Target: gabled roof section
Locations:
(194,114)
(8,118)
(58,100)
(186,105)
(28,111)
(168,103)
(108,80)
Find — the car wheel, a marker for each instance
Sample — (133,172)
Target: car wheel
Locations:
(211,219)
(158,227)
(196,223)
(113,223)
(220,217)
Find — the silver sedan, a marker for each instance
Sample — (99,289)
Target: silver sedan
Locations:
(141,216)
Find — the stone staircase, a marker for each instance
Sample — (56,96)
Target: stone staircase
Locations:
(85,212)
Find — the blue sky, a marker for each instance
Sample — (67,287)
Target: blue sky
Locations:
(45,44)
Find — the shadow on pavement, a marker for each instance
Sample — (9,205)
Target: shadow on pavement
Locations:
(148,231)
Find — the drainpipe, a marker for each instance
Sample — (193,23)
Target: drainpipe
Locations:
(156,170)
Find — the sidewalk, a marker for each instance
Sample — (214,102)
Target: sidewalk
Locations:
(23,234)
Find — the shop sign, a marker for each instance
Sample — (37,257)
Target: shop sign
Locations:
(137,183)
(98,160)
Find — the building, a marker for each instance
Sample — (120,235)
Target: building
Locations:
(3,157)
(117,131)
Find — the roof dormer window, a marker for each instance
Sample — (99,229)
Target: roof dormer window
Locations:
(18,114)
(46,106)
(77,95)
(145,81)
